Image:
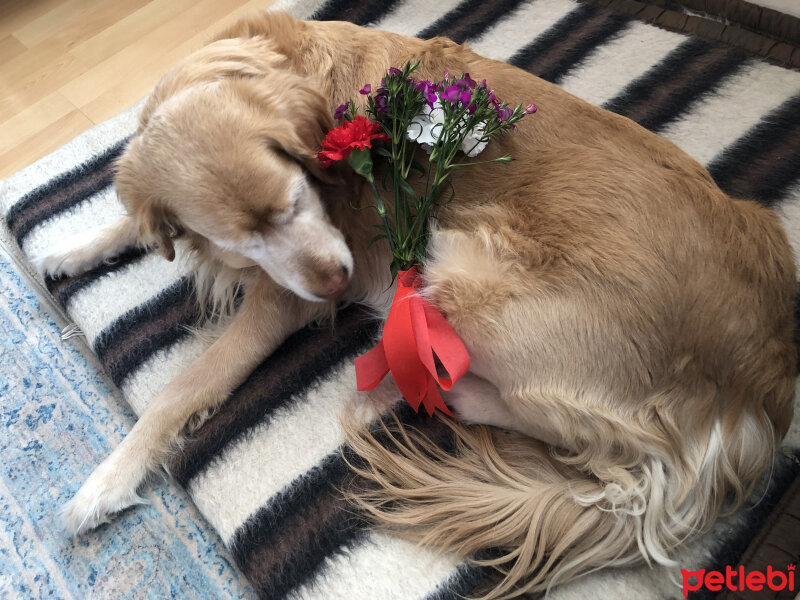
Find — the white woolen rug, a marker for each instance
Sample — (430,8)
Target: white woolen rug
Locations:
(264,471)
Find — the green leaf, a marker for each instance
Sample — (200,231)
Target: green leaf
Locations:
(452,195)
(418,167)
(360,208)
(377,238)
(407,188)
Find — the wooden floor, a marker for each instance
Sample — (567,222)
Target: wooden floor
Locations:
(66,65)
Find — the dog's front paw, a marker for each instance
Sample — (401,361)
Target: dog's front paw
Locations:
(105,492)
(66,261)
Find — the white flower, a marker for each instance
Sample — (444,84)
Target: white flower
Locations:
(426,127)
(473,144)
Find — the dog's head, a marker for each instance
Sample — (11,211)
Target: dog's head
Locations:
(230,157)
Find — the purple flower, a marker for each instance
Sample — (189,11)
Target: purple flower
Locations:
(457,93)
(471,109)
(340,110)
(365,90)
(451,93)
(381,105)
(530,109)
(424,85)
(504,114)
(428,90)
(447,73)
(394,71)
(469,81)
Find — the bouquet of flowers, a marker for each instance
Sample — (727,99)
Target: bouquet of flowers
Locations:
(452,120)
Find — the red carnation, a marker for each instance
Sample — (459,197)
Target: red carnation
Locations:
(350,135)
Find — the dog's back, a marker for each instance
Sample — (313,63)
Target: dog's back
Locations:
(626,310)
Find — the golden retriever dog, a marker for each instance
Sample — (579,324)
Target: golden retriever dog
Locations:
(629,324)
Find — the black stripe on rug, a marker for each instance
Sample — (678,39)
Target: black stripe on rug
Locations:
(560,48)
(303,360)
(469,19)
(64,288)
(693,69)
(466,582)
(360,13)
(141,332)
(763,163)
(470,579)
(63,192)
(286,542)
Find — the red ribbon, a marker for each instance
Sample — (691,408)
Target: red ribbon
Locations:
(414,330)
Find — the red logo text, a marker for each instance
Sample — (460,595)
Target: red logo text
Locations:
(737,580)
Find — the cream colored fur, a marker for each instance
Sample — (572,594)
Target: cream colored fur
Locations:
(616,304)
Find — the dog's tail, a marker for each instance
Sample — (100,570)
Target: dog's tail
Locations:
(548,518)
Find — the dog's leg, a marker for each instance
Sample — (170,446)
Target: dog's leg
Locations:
(475,400)
(262,323)
(82,252)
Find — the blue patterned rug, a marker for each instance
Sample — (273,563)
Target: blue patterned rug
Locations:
(57,415)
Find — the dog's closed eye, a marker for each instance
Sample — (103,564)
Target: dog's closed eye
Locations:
(285,215)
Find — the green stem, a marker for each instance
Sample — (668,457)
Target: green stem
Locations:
(381,208)
(499,159)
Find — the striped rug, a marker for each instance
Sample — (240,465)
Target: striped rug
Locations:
(267,468)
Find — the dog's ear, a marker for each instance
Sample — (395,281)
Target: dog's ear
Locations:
(306,120)
(157,225)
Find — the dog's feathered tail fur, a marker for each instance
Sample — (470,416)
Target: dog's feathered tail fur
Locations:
(549,515)
(635,467)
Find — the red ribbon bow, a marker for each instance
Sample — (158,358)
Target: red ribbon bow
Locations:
(414,330)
